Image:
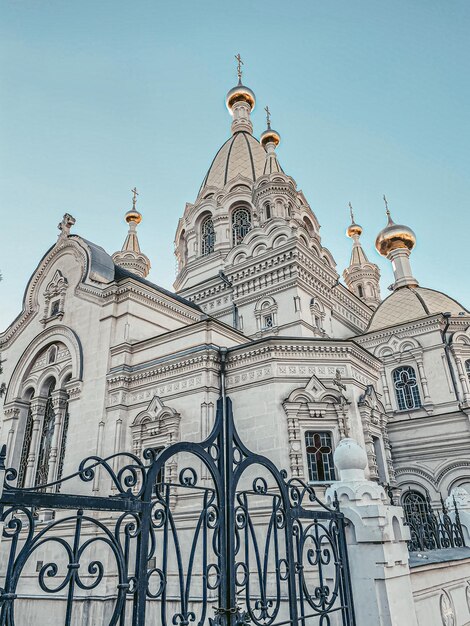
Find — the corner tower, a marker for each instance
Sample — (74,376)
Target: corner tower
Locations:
(361,276)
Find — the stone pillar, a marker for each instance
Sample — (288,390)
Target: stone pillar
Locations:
(388,404)
(38,408)
(424,380)
(59,404)
(463,378)
(376,538)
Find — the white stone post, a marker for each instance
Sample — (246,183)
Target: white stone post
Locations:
(376,538)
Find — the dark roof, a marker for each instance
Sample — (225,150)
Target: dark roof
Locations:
(122,274)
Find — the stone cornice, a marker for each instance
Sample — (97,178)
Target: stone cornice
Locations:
(407,329)
(281,347)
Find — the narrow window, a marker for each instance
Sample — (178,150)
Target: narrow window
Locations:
(360,291)
(319,456)
(208,236)
(160,480)
(46,440)
(55,308)
(241,225)
(406,388)
(267,209)
(268,321)
(25,449)
(467,367)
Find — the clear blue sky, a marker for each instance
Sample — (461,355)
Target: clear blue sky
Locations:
(98,96)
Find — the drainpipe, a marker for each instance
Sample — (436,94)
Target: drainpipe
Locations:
(446,342)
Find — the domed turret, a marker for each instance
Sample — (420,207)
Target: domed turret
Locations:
(395,242)
(130,257)
(240,93)
(361,277)
(240,101)
(394,236)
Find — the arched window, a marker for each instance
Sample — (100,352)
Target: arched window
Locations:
(309,226)
(415,507)
(406,388)
(241,225)
(52,355)
(319,450)
(267,210)
(207,236)
(467,367)
(45,444)
(360,291)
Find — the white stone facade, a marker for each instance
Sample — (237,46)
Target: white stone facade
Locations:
(134,366)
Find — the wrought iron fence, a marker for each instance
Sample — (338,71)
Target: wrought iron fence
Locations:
(431,529)
(238,538)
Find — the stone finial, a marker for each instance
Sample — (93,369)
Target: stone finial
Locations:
(351,460)
(65,225)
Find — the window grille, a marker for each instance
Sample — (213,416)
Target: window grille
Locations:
(319,450)
(25,449)
(406,388)
(208,236)
(241,225)
(415,506)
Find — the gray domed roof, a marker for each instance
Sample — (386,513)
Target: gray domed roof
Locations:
(412,303)
(241,155)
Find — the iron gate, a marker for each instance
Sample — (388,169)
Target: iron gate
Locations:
(243,544)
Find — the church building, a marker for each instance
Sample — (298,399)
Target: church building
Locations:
(101,360)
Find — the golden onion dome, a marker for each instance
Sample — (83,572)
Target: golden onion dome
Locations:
(133,216)
(240,93)
(394,236)
(270,136)
(354,229)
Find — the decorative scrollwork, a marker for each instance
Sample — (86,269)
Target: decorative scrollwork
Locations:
(260,555)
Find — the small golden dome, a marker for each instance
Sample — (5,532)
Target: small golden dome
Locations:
(270,136)
(354,229)
(133,216)
(394,236)
(240,93)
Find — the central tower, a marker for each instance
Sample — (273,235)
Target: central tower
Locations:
(249,249)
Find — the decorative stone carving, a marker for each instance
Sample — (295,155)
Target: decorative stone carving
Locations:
(54,298)
(447,609)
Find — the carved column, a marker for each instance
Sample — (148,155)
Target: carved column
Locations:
(59,404)
(424,380)
(14,413)
(295,446)
(463,378)
(388,404)
(38,408)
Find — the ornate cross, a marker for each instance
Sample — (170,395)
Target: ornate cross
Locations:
(268,116)
(239,67)
(386,206)
(66,224)
(351,212)
(134,198)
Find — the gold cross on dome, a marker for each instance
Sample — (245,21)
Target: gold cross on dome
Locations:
(268,116)
(239,67)
(135,194)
